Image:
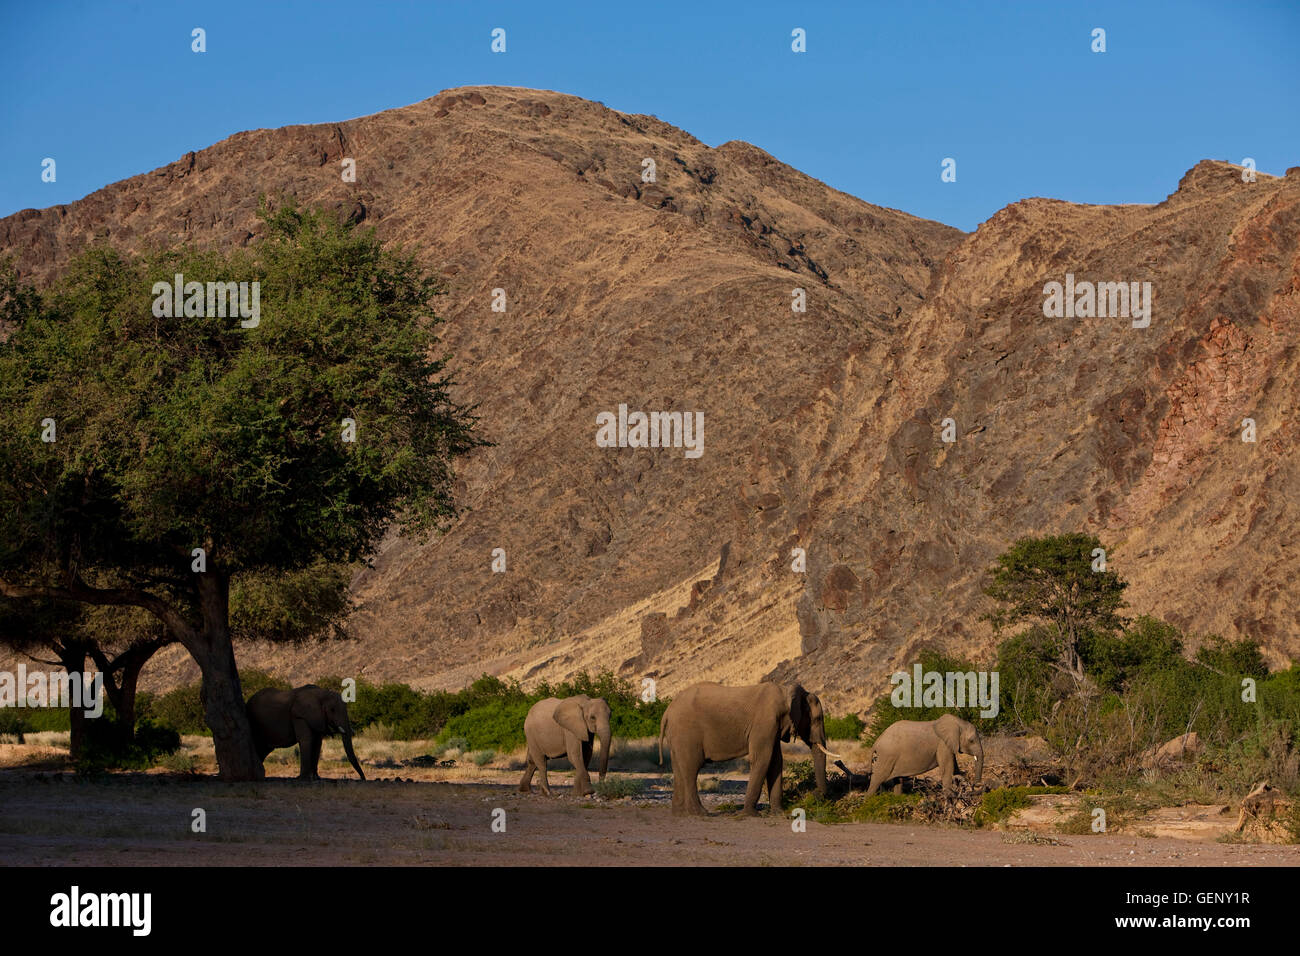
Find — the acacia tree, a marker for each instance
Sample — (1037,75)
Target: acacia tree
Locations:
(150,460)
(1059,583)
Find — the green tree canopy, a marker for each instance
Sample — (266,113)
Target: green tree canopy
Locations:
(181,432)
(1059,582)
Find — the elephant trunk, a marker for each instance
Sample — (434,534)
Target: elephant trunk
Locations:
(817,742)
(352,757)
(979,760)
(603,733)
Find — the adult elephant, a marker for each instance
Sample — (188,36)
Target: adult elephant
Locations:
(566,727)
(909,747)
(282,718)
(710,722)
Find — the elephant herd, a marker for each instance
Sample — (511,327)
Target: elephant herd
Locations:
(705,723)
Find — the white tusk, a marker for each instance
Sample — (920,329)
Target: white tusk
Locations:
(828,753)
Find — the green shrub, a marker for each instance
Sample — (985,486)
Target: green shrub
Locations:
(797,779)
(179,762)
(107,746)
(885,808)
(615,788)
(13,722)
(1241,658)
(33,720)
(1147,646)
(180,709)
(498,724)
(844,728)
(484,757)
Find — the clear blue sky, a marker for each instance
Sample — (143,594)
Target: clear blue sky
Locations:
(884,93)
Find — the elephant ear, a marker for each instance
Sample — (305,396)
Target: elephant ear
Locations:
(787,729)
(569,716)
(948,729)
(307,707)
(800,715)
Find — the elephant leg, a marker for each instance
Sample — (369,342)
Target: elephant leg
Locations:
(898,787)
(577,752)
(526,783)
(758,764)
(948,761)
(686,793)
(881,771)
(539,761)
(774,777)
(308,751)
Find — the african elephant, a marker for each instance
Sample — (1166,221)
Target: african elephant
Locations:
(909,747)
(282,718)
(566,727)
(709,722)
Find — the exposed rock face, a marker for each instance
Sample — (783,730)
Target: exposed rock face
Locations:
(823,429)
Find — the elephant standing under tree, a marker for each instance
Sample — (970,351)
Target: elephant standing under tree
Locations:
(709,722)
(908,747)
(282,718)
(566,728)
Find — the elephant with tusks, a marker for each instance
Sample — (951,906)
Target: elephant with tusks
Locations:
(282,718)
(709,722)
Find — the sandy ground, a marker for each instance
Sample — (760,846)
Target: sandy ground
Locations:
(53,817)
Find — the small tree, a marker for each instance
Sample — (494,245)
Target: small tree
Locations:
(1053,582)
(154,459)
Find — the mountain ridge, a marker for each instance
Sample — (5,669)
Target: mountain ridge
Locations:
(822,428)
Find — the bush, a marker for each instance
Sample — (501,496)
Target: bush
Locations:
(484,757)
(497,725)
(106,746)
(797,780)
(885,808)
(33,720)
(180,709)
(1241,658)
(615,788)
(844,728)
(13,723)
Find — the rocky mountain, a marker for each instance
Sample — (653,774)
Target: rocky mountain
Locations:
(823,430)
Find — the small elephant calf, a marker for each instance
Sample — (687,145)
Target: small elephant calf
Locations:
(566,728)
(909,747)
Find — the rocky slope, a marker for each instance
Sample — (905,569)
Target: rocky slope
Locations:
(823,429)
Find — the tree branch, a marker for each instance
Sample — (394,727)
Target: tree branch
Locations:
(77,590)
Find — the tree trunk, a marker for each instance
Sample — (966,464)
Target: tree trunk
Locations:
(73,658)
(223,697)
(122,695)
(125,703)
